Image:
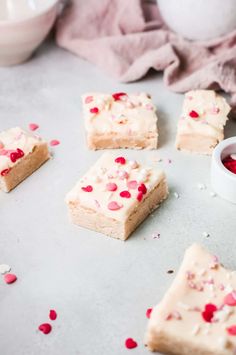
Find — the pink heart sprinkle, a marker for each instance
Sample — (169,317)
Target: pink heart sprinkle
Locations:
(94,110)
(148,312)
(132,184)
(33,126)
(230,299)
(52,314)
(10,278)
(114,206)
(88,99)
(45,328)
(111,186)
(125,194)
(88,188)
(54,142)
(231,330)
(130,343)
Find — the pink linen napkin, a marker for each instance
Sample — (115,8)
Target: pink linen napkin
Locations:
(125,38)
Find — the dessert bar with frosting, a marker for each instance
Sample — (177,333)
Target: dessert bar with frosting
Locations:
(120,120)
(116,195)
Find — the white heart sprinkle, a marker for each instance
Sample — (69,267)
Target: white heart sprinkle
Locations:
(4,268)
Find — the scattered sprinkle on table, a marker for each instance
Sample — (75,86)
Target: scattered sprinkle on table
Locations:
(212,194)
(131,343)
(148,312)
(54,142)
(53,314)
(10,278)
(170,271)
(201,186)
(4,269)
(176,195)
(45,328)
(33,126)
(205,234)
(156,236)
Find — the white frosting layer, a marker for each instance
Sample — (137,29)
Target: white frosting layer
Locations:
(13,139)
(182,314)
(131,114)
(212,110)
(107,171)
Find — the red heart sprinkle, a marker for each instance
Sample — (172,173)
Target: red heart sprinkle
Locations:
(5,172)
(140,196)
(10,278)
(111,186)
(208,313)
(33,126)
(230,299)
(130,343)
(193,114)
(114,206)
(94,110)
(231,330)
(88,99)
(88,188)
(125,194)
(118,95)
(132,184)
(20,153)
(142,188)
(148,312)
(13,157)
(45,328)
(52,314)
(54,142)
(120,160)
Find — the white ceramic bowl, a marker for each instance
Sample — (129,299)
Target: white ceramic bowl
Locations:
(222,180)
(24,24)
(199,19)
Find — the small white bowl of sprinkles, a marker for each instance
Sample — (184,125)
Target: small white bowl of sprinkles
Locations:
(223,169)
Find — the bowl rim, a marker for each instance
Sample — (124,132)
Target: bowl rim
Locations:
(30,17)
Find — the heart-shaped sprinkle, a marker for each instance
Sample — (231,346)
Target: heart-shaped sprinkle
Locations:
(53,314)
(125,194)
(120,160)
(215,110)
(54,142)
(20,153)
(117,96)
(111,186)
(88,188)
(230,299)
(209,311)
(94,110)
(133,164)
(130,343)
(142,188)
(230,164)
(231,330)
(114,206)
(45,328)
(33,126)
(148,312)
(88,99)
(13,157)
(5,172)
(123,175)
(140,196)
(4,268)
(10,278)
(193,114)
(132,184)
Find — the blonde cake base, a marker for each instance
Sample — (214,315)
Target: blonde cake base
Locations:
(112,142)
